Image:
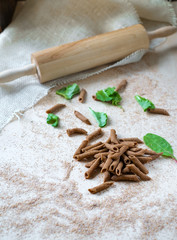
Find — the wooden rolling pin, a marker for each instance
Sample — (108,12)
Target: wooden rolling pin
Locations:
(85,54)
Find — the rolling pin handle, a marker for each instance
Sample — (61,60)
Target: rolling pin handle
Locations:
(12,74)
(162,32)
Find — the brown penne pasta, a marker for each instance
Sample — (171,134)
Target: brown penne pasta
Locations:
(94,134)
(136,171)
(114,165)
(126,159)
(129,144)
(107,176)
(122,150)
(72,131)
(94,166)
(119,169)
(91,146)
(159,111)
(121,85)
(112,147)
(126,170)
(55,108)
(98,147)
(145,159)
(135,149)
(82,95)
(108,140)
(94,98)
(150,152)
(107,163)
(132,140)
(101,165)
(79,150)
(139,165)
(113,136)
(100,187)
(139,153)
(86,155)
(82,117)
(105,154)
(132,178)
(89,164)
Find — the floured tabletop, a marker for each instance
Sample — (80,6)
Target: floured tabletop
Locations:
(44,194)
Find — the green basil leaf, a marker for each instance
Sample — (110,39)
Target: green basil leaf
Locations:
(144,103)
(69,91)
(53,119)
(158,144)
(109,94)
(100,117)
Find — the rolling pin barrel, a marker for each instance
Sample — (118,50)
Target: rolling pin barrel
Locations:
(88,53)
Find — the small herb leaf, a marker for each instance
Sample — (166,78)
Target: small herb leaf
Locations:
(109,94)
(53,119)
(144,103)
(158,144)
(69,91)
(100,117)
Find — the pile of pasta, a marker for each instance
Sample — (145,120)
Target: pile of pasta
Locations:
(118,159)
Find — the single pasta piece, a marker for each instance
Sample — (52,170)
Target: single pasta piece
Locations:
(112,147)
(121,85)
(145,159)
(91,146)
(94,98)
(88,154)
(107,163)
(126,159)
(89,164)
(114,165)
(139,165)
(150,152)
(129,144)
(100,187)
(94,134)
(119,154)
(55,108)
(94,166)
(119,169)
(139,153)
(79,150)
(136,171)
(158,111)
(98,147)
(108,140)
(132,139)
(105,154)
(82,95)
(72,131)
(107,176)
(101,165)
(135,149)
(82,117)
(127,177)
(126,170)
(113,136)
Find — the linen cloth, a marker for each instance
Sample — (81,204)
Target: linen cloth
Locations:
(43,24)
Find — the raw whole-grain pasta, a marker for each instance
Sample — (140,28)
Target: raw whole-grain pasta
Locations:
(94,134)
(94,166)
(149,159)
(139,153)
(107,176)
(158,111)
(136,171)
(139,165)
(119,169)
(100,187)
(107,163)
(82,117)
(131,139)
(121,85)
(105,154)
(135,149)
(126,159)
(89,164)
(94,98)
(126,170)
(72,131)
(112,147)
(114,165)
(122,150)
(113,136)
(91,146)
(86,155)
(108,140)
(101,165)
(55,108)
(98,147)
(127,177)
(129,144)
(82,95)
(79,150)
(150,152)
